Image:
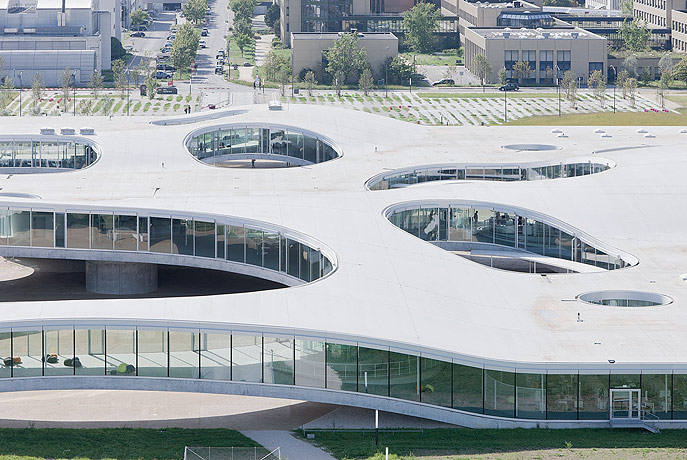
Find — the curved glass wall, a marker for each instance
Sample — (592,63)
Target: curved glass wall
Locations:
(207,237)
(46,153)
(492,172)
(480,225)
(195,353)
(282,143)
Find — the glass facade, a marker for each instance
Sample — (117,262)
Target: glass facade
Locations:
(485,172)
(165,235)
(53,154)
(240,141)
(310,362)
(464,223)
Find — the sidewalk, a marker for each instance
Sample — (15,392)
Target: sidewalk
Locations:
(290,447)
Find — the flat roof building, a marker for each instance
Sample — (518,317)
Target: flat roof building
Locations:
(546,50)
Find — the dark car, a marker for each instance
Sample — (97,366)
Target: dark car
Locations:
(219,69)
(509,87)
(166,67)
(163,75)
(138,34)
(139,28)
(444,81)
(167,90)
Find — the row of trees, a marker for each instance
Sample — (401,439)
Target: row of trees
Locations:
(243,23)
(195,11)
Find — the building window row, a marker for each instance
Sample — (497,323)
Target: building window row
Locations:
(233,242)
(18,153)
(308,362)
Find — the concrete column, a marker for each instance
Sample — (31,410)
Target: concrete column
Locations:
(120,277)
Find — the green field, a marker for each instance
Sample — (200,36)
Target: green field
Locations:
(490,95)
(605,119)
(455,444)
(116,443)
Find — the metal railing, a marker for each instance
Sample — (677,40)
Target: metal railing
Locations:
(231,453)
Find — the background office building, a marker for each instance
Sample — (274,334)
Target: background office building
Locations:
(45,36)
(547,51)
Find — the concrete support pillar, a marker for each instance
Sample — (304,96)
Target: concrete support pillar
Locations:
(120,277)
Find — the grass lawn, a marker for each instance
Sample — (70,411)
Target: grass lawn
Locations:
(506,444)
(678,99)
(605,119)
(446,57)
(491,95)
(235,54)
(118,443)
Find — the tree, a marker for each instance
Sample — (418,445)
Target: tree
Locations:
(310,81)
(366,82)
(119,75)
(680,70)
(399,69)
(420,22)
(630,87)
(635,35)
(502,76)
(275,65)
(631,66)
(85,106)
(482,68)
(184,47)
(140,70)
(272,15)
(345,58)
(243,41)
(522,70)
(195,10)
(569,85)
(66,80)
(243,8)
(626,7)
(7,94)
(138,17)
(151,85)
(620,81)
(597,80)
(37,90)
(117,51)
(96,83)
(665,63)
(663,84)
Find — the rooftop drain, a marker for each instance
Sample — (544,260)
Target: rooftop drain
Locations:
(494,172)
(530,147)
(242,145)
(625,298)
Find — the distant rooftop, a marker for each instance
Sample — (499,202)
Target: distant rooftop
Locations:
(536,34)
(335,35)
(514,4)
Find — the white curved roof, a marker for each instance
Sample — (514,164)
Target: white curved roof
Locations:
(390,286)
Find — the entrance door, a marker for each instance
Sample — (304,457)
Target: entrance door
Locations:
(625,404)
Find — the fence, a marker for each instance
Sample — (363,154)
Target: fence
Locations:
(230,453)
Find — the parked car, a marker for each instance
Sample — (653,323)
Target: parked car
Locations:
(137,34)
(202,44)
(161,58)
(168,67)
(171,36)
(509,87)
(163,75)
(166,48)
(220,61)
(444,81)
(246,64)
(219,69)
(204,32)
(167,90)
(220,54)
(212,106)
(139,28)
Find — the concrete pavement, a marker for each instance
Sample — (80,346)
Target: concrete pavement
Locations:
(291,448)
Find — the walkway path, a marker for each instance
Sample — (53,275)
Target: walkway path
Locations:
(291,448)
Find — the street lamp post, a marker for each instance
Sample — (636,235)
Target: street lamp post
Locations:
(505,105)
(615,78)
(558,81)
(74,91)
(128,88)
(20,86)
(386,73)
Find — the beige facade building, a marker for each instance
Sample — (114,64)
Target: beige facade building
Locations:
(679,30)
(546,50)
(485,14)
(307,49)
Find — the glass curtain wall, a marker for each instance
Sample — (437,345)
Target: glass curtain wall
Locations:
(286,142)
(302,361)
(54,154)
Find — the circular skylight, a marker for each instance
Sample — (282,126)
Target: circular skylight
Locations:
(625,298)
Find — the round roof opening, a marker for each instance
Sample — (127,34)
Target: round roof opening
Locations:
(530,147)
(625,298)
